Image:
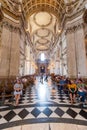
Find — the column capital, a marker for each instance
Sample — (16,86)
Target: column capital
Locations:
(85,16)
(1,13)
(74,28)
(10,26)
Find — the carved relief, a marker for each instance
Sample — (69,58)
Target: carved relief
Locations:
(85,16)
(74,28)
(10,26)
(0,31)
(1,15)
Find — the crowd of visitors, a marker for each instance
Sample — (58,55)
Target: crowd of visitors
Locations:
(76,88)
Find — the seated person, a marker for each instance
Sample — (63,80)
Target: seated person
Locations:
(18,87)
(72,90)
(81,90)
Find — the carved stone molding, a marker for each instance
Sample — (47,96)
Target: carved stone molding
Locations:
(74,28)
(1,15)
(11,27)
(85,16)
(1,25)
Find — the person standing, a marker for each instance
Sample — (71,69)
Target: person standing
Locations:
(18,87)
(41,78)
(79,75)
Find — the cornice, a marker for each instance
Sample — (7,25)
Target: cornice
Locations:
(68,18)
(1,14)
(14,15)
(85,16)
(78,11)
(10,26)
(74,28)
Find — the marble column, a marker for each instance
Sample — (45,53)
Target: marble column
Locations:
(71,53)
(81,51)
(76,53)
(57,67)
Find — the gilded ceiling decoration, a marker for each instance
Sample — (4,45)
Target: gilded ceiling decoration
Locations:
(43,32)
(53,6)
(44,20)
(43,28)
(42,47)
(38,18)
(43,41)
(85,16)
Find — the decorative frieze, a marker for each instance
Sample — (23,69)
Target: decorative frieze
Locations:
(74,28)
(85,16)
(1,25)
(11,27)
(1,15)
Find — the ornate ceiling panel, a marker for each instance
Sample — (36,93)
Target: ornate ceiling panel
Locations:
(42,47)
(43,18)
(43,32)
(53,6)
(43,28)
(43,41)
(38,18)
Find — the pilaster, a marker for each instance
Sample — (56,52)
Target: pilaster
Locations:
(76,55)
(9,50)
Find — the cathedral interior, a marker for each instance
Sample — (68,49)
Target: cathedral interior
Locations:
(42,37)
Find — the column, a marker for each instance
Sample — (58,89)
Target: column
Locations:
(76,53)
(57,67)
(71,52)
(80,50)
(9,50)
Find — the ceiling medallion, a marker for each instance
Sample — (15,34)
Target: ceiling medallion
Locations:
(42,41)
(43,32)
(42,19)
(42,47)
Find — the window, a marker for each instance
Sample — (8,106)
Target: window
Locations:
(42,57)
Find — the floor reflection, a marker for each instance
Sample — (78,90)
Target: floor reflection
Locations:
(40,105)
(43,92)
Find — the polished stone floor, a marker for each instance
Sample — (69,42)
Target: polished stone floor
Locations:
(43,107)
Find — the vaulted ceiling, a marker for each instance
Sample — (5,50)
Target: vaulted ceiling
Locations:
(44,18)
(55,7)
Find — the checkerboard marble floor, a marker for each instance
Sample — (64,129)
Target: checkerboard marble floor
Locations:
(42,104)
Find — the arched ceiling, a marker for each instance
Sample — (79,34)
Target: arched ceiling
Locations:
(43,20)
(55,7)
(43,17)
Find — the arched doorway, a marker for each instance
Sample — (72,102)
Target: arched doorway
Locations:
(42,69)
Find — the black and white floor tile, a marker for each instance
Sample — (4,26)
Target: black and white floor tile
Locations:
(42,103)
